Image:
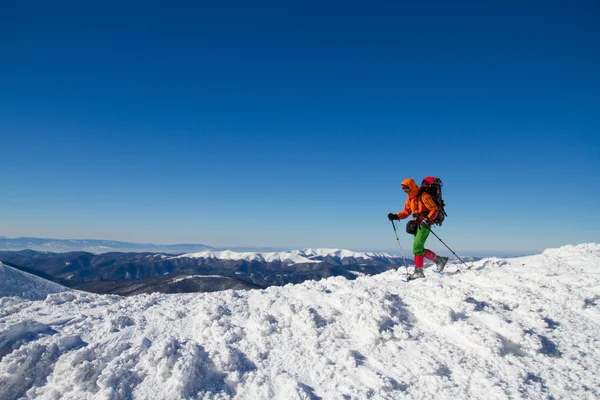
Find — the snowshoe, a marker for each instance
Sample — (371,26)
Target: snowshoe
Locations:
(416,275)
(440,262)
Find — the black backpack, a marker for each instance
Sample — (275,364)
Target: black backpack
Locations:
(433,186)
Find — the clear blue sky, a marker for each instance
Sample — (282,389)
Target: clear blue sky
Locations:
(291,124)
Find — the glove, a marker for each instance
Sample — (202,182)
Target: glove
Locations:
(392,216)
(425,222)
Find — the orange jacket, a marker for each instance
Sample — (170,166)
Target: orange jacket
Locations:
(418,204)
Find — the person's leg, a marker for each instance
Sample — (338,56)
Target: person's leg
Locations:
(439,261)
(419,243)
(430,255)
(418,261)
(419,251)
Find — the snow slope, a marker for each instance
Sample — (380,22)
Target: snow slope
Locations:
(21,284)
(507,329)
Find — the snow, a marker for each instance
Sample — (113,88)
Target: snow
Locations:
(30,287)
(293,256)
(508,328)
(184,278)
(340,253)
(249,256)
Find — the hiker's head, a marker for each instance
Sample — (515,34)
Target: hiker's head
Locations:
(409,186)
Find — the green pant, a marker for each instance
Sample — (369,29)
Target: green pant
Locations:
(420,238)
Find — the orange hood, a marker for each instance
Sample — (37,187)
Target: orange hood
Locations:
(412,185)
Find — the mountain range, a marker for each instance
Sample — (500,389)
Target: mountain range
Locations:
(93,245)
(134,273)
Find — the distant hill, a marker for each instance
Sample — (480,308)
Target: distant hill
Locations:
(94,246)
(167,284)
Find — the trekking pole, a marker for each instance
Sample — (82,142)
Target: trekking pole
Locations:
(401,251)
(430,230)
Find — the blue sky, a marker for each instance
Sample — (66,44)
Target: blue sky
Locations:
(291,124)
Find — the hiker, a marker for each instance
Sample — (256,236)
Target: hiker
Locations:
(424,210)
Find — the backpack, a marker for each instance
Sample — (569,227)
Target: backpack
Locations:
(433,186)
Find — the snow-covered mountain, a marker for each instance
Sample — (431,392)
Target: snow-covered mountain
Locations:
(295,256)
(285,257)
(522,327)
(105,273)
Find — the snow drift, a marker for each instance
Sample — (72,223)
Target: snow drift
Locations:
(508,328)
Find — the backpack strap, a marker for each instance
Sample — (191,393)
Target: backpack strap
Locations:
(434,216)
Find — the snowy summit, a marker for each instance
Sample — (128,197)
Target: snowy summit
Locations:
(507,328)
(291,257)
(249,256)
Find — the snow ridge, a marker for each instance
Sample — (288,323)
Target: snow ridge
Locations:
(293,256)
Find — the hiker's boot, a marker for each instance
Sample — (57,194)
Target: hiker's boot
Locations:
(440,262)
(417,274)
